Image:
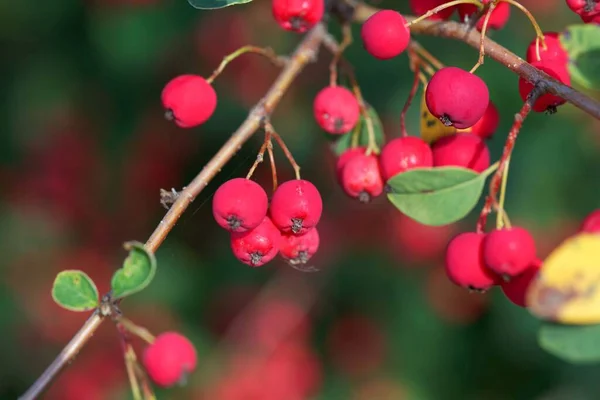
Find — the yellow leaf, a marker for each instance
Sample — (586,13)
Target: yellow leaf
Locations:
(432,128)
(567,289)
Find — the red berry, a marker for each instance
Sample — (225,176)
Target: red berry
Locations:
(298,15)
(497,20)
(516,289)
(457,97)
(345,157)
(508,252)
(586,9)
(296,206)
(336,110)
(361,178)
(465,265)
(299,249)
(461,150)
(385,34)
(189,100)
(420,7)
(169,359)
(547,102)
(554,51)
(240,205)
(402,154)
(258,246)
(487,125)
(591,223)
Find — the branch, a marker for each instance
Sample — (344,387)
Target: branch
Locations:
(455,30)
(304,53)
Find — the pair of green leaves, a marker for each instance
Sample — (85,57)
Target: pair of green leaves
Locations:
(437,196)
(76,291)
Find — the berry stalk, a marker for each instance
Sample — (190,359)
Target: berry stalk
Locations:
(346,41)
(130,362)
(538,31)
(413,91)
(486,21)
(263,51)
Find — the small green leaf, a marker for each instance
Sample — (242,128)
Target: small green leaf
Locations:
(137,272)
(572,343)
(75,291)
(437,196)
(213,4)
(344,142)
(582,44)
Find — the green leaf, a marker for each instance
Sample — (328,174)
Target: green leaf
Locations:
(213,4)
(344,142)
(75,291)
(137,272)
(437,196)
(572,343)
(582,44)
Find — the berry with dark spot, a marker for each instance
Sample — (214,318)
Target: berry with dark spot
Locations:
(457,97)
(509,251)
(297,250)
(361,178)
(298,15)
(465,265)
(189,100)
(461,150)
(402,154)
(385,34)
(336,110)
(258,246)
(169,359)
(240,205)
(296,206)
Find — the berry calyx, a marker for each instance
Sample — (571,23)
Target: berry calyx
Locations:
(487,124)
(461,150)
(591,223)
(515,290)
(465,265)
(297,250)
(457,97)
(498,19)
(385,34)
(169,359)
(361,178)
(296,206)
(298,15)
(258,246)
(345,157)
(189,100)
(420,7)
(402,154)
(554,51)
(508,252)
(240,205)
(546,102)
(336,110)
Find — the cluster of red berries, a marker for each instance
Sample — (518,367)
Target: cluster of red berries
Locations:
(497,20)
(259,230)
(588,10)
(169,359)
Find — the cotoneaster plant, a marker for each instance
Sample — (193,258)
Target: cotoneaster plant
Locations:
(434,177)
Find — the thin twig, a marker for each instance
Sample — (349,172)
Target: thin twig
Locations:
(346,41)
(284,148)
(272,161)
(260,157)
(136,330)
(130,361)
(305,53)
(484,28)
(411,96)
(263,51)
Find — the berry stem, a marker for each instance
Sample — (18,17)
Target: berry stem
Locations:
(272,161)
(413,91)
(130,362)
(422,52)
(509,145)
(354,140)
(263,51)
(145,383)
(372,147)
(441,8)
(538,31)
(260,157)
(346,41)
(135,329)
(502,216)
(286,150)
(486,21)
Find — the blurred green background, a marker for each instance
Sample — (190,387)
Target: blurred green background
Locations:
(85,149)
